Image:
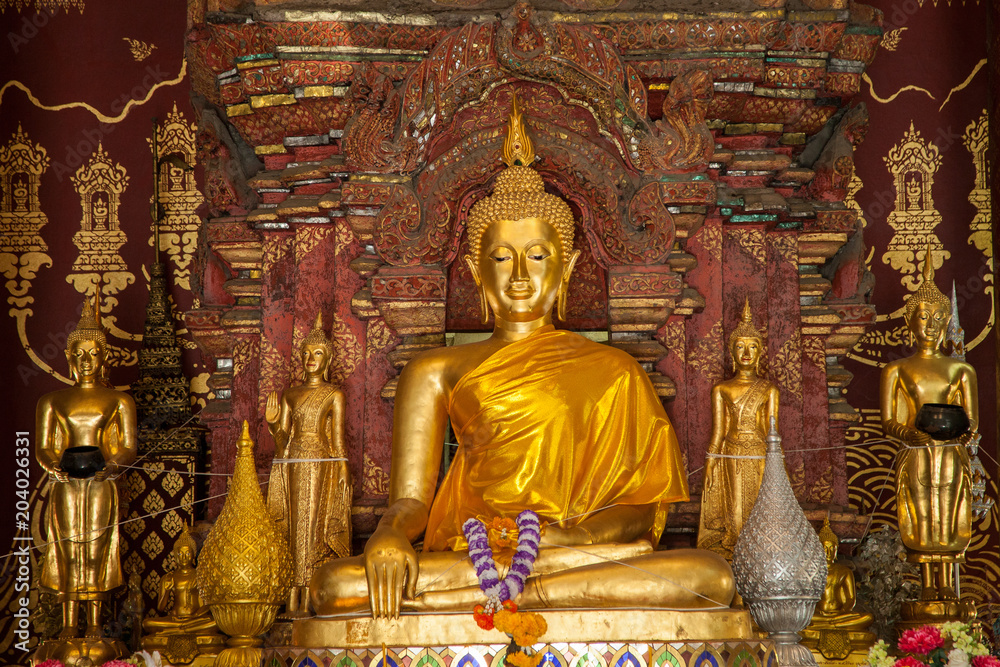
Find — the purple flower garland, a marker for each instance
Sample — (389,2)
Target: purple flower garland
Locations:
(529,534)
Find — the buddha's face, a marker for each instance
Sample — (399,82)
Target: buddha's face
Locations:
(830,549)
(315,359)
(746,352)
(521,267)
(928,322)
(85,358)
(184,556)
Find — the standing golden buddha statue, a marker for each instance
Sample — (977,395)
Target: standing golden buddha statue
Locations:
(85,434)
(933,478)
(310,492)
(546,420)
(742,409)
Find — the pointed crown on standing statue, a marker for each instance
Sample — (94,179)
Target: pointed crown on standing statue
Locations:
(89,327)
(519,192)
(928,292)
(828,537)
(186,540)
(316,335)
(745,329)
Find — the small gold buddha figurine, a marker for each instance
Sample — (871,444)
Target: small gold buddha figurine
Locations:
(85,434)
(310,491)
(178,595)
(933,478)
(742,409)
(836,630)
(188,629)
(545,420)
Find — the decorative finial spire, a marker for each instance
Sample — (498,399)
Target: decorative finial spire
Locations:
(245,443)
(517,148)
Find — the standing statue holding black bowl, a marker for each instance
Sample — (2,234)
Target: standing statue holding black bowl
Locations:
(929,402)
(85,433)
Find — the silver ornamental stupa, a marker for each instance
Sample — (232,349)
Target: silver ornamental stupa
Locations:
(779,562)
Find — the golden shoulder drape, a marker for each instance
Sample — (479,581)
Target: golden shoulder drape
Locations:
(561,425)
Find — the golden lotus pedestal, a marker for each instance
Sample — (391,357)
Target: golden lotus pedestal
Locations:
(576,638)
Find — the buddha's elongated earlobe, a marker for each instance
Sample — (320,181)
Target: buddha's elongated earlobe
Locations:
(484,305)
(564,285)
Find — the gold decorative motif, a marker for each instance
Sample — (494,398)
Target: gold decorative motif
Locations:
(786,369)
(244,350)
(179,194)
(172,523)
(822,490)
(308,238)
(814,350)
(131,104)
(153,503)
(851,201)
(890,40)
(976,139)
(172,483)
(752,242)
(710,237)
(797,477)
(152,546)
(379,338)
(22,164)
(49,6)
(141,51)
(376,479)
(673,338)
(706,357)
(343,236)
(273,372)
(787,247)
(913,163)
(100,184)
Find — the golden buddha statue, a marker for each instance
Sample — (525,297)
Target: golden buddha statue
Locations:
(188,629)
(178,596)
(546,420)
(836,630)
(933,479)
(96,426)
(742,409)
(310,492)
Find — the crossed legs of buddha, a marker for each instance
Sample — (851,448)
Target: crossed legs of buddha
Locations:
(608,576)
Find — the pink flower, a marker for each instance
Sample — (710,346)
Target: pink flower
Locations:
(921,640)
(118,663)
(908,661)
(51,663)
(985,661)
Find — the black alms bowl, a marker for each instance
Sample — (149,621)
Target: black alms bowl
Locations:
(82,462)
(942,421)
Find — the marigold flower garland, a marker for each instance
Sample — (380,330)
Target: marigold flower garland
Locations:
(928,646)
(500,611)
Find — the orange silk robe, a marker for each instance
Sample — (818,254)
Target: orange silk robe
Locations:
(561,425)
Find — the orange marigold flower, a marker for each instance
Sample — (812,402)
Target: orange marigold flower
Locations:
(518,659)
(502,533)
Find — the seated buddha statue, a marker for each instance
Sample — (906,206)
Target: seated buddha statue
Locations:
(835,610)
(933,479)
(178,596)
(546,420)
(94,426)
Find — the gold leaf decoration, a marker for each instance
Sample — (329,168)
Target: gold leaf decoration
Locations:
(890,40)
(706,357)
(976,139)
(672,338)
(786,370)
(379,338)
(140,50)
(376,480)
(710,237)
(39,6)
(752,242)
